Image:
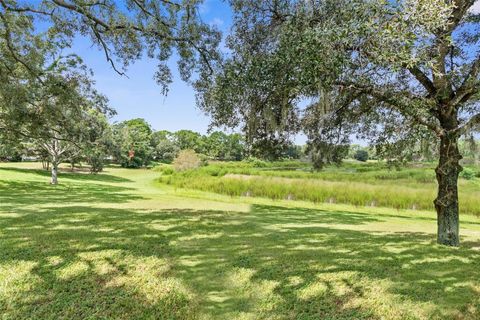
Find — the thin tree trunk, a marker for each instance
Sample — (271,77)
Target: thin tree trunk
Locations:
(54,179)
(55,162)
(446,203)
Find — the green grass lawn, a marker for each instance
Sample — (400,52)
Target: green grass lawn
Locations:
(119,245)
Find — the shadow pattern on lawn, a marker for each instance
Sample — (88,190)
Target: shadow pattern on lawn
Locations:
(81,262)
(70,175)
(15,194)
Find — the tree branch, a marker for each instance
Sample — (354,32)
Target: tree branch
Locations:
(10,47)
(467,87)
(471,124)
(393,100)
(423,79)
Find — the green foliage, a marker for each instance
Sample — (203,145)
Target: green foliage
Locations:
(215,145)
(165,151)
(164,169)
(294,152)
(361,155)
(123,30)
(63,117)
(221,146)
(324,153)
(10,149)
(187,139)
(164,148)
(235,147)
(271,146)
(385,71)
(257,163)
(470,150)
(468,174)
(100,143)
(132,141)
(140,126)
(96,160)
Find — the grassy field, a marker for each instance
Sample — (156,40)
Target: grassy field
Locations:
(120,245)
(359,184)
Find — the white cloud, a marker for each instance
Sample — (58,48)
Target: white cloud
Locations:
(204,8)
(217,22)
(476,7)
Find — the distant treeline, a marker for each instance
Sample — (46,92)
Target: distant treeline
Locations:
(133,143)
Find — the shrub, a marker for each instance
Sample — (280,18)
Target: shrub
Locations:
(361,155)
(164,169)
(186,160)
(215,171)
(96,160)
(257,163)
(467,174)
(131,163)
(203,159)
(96,164)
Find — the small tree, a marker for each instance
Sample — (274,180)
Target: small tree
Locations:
(132,140)
(99,143)
(56,114)
(165,151)
(361,155)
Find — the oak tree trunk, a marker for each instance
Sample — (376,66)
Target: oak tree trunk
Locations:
(446,203)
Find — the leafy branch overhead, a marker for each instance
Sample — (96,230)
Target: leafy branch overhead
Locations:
(392,70)
(124,31)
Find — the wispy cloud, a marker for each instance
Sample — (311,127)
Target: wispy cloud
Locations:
(204,7)
(217,22)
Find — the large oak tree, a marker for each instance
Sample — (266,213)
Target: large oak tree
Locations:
(395,69)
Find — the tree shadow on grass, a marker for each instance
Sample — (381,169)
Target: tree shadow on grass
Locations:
(271,263)
(15,194)
(68,175)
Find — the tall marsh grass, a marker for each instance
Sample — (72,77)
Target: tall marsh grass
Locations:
(411,188)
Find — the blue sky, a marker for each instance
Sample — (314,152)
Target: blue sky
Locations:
(138,96)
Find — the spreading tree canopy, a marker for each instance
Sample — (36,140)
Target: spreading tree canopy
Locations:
(36,36)
(393,71)
(123,30)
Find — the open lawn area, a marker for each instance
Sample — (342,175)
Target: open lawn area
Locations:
(121,245)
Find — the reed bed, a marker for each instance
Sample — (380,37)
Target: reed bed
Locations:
(409,188)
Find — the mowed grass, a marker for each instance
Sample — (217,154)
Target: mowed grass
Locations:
(120,246)
(358,184)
